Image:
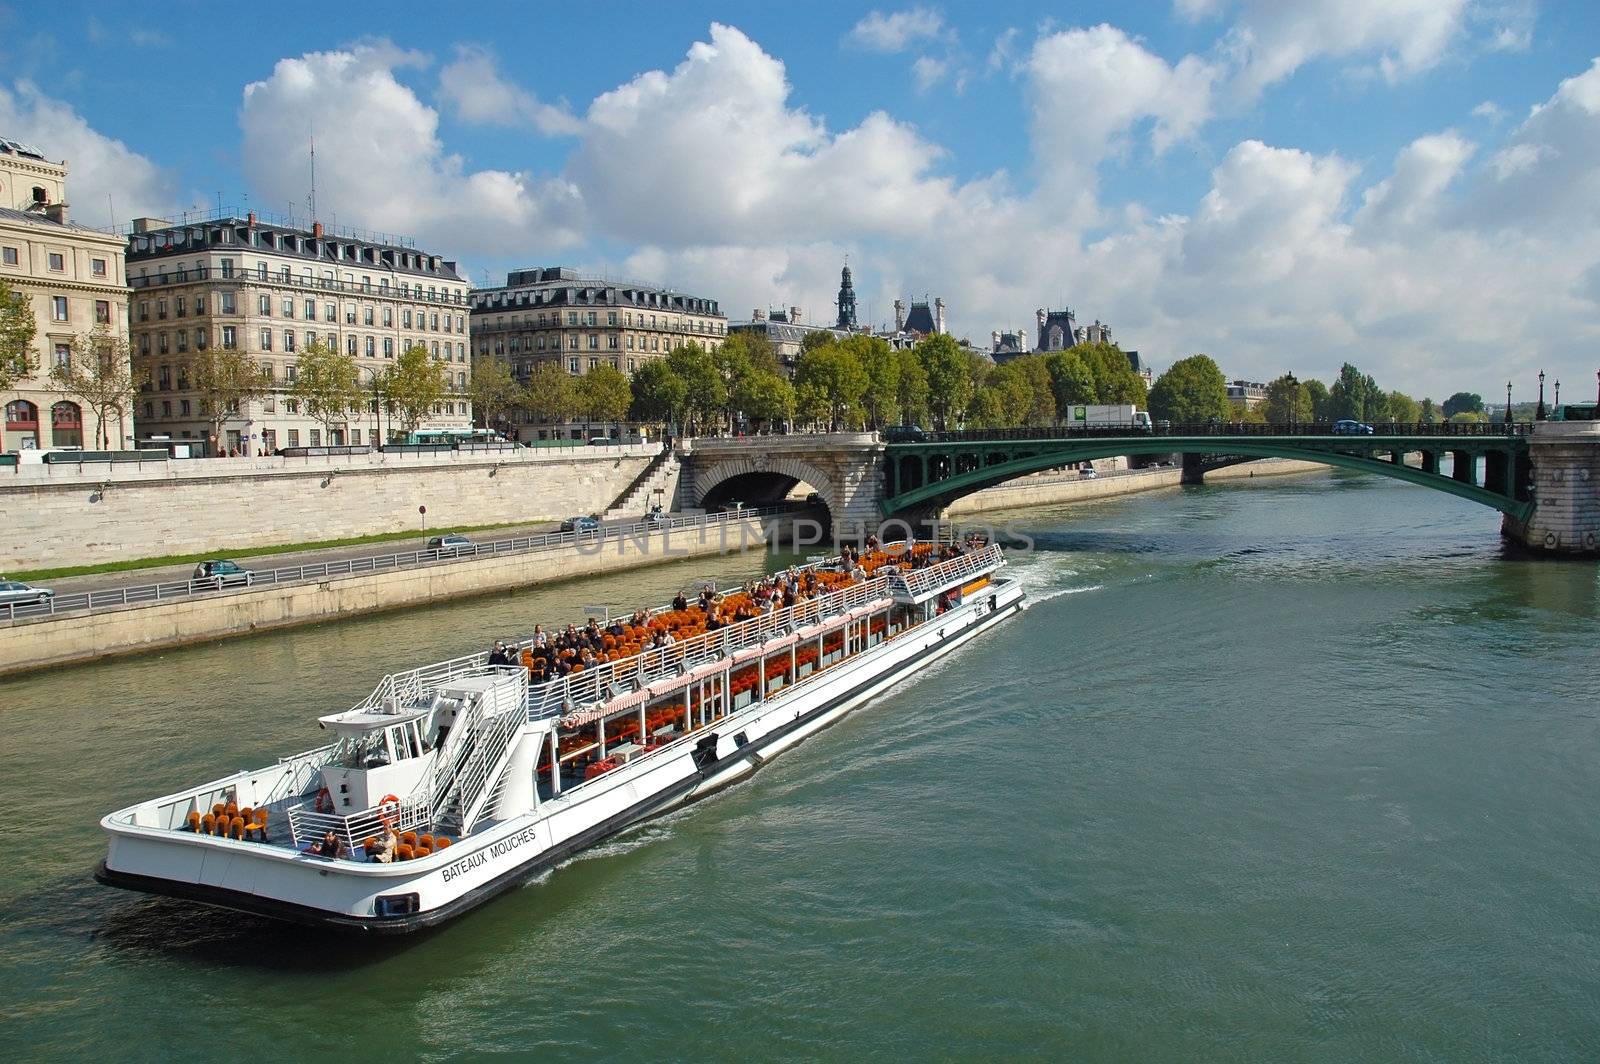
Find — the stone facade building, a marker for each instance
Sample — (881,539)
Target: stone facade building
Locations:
(269,289)
(73,278)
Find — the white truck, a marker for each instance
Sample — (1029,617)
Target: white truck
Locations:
(1112,415)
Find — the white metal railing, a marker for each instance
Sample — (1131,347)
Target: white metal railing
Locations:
(90,601)
(919,582)
(476,748)
(308,825)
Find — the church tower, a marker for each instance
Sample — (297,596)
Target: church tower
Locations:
(847,301)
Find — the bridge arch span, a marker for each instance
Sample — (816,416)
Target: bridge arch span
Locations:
(761,479)
(1003,462)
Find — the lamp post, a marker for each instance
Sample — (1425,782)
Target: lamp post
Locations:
(1557,403)
(1508,402)
(1538,414)
(1294,400)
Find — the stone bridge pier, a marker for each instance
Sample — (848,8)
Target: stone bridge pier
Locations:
(1565,468)
(844,468)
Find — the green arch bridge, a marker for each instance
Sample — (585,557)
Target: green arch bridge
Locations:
(925,472)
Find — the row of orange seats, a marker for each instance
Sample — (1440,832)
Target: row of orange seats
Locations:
(229,821)
(410,847)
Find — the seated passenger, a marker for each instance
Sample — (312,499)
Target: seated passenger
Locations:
(498,655)
(330,847)
(384,854)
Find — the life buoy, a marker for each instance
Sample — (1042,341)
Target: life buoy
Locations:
(387,800)
(324,801)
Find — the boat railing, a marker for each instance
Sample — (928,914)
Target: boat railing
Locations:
(478,747)
(920,582)
(564,694)
(308,825)
(300,769)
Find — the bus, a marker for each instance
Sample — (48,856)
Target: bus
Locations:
(450,437)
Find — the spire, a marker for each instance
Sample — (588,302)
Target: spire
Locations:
(847,299)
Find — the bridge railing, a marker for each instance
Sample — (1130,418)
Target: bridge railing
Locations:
(1220,429)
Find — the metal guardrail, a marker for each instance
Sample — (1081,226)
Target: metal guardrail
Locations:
(919,582)
(90,601)
(1223,429)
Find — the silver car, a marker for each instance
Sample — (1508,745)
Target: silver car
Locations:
(16,593)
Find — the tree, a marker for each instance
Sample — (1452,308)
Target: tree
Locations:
(99,372)
(811,403)
(549,394)
(1288,402)
(1071,383)
(911,396)
(1469,402)
(494,391)
(1114,378)
(987,410)
(1428,413)
(658,393)
(767,397)
(1005,398)
(1042,404)
(327,383)
(837,375)
(225,380)
(949,378)
(1321,400)
(1401,409)
(1349,395)
(604,394)
(1192,391)
(1469,417)
(814,339)
(413,386)
(17,330)
(1245,414)
(881,397)
(706,395)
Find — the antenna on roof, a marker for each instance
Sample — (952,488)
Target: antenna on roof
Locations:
(311,201)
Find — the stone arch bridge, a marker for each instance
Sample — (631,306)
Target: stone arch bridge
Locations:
(1543,477)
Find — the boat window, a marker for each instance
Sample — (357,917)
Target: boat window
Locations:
(366,750)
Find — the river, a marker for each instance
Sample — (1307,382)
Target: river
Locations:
(1289,769)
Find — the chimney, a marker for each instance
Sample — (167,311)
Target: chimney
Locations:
(56,212)
(316,230)
(938,314)
(899,315)
(994,338)
(758,315)
(794,315)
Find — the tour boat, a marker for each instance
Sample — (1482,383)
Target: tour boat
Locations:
(454,782)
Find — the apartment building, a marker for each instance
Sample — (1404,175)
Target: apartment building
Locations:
(73,278)
(269,288)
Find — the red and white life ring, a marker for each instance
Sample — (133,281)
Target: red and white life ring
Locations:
(324,801)
(383,803)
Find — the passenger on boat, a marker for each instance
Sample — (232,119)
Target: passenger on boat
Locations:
(499,656)
(708,597)
(330,847)
(541,638)
(680,601)
(384,854)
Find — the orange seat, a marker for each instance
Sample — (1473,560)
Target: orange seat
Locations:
(441,843)
(421,852)
(369,844)
(236,827)
(232,810)
(402,852)
(193,821)
(425,840)
(208,824)
(248,814)
(218,809)
(408,837)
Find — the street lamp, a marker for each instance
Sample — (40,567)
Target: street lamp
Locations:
(1294,399)
(1557,403)
(1538,414)
(1508,402)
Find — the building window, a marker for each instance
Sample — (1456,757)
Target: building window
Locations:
(64,356)
(572,317)
(316,437)
(288,339)
(611,341)
(311,310)
(180,306)
(388,347)
(594,363)
(8,256)
(291,373)
(166,408)
(144,343)
(183,339)
(294,437)
(229,338)
(572,365)
(372,347)
(58,261)
(161,343)
(366,315)
(266,339)
(264,305)
(436,350)
(228,306)
(199,339)
(388,317)
(227,265)
(199,304)
(630,365)
(266,370)
(161,310)
(350,344)
(405,318)
(58,308)
(330,312)
(97,267)
(594,342)
(433,320)
(572,342)
(164,378)
(183,407)
(630,341)
(288,308)
(102,311)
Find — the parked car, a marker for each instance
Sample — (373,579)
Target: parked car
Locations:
(904,434)
(222,574)
(602,441)
(1348,427)
(580,524)
(657,519)
(1087,471)
(451,545)
(16,593)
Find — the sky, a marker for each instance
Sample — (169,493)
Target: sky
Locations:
(1409,185)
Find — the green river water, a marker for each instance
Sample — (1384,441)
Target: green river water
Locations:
(1294,769)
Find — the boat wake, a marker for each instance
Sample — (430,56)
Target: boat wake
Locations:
(1046,597)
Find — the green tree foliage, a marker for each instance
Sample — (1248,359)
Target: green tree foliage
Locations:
(17,330)
(413,386)
(1321,400)
(836,373)
(1428,413)
(604,394)
(1352,395)
(949,378)
(1192,391)
(814,339)
(327,383)
(1071,383)
(1463,402)
(987,410)
(767,398)
(1402,409)
(550,393)
(99,373)
(1114,378)
(1469,417)
(1005,398)
(225,380)
(811,404)
(911,396)
(706,395)
(658,393)
(1288,402)
(494,391)
(881,396)
(1245,414)
(1042,399)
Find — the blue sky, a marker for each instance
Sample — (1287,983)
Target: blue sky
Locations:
(1408,184)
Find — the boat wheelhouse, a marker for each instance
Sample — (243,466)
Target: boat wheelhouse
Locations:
(456,781)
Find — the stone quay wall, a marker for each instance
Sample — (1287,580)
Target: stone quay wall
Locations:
(131,629)
(1566,490)
(60,515)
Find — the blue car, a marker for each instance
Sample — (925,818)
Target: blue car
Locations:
(1351,428)
(580,524)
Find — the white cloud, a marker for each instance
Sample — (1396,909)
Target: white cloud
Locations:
(98,166)
(1422,172)
(896,32)
(1489,111)
(928,71)
(381,164)
(1004,51)
(472,87)
(712,153)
